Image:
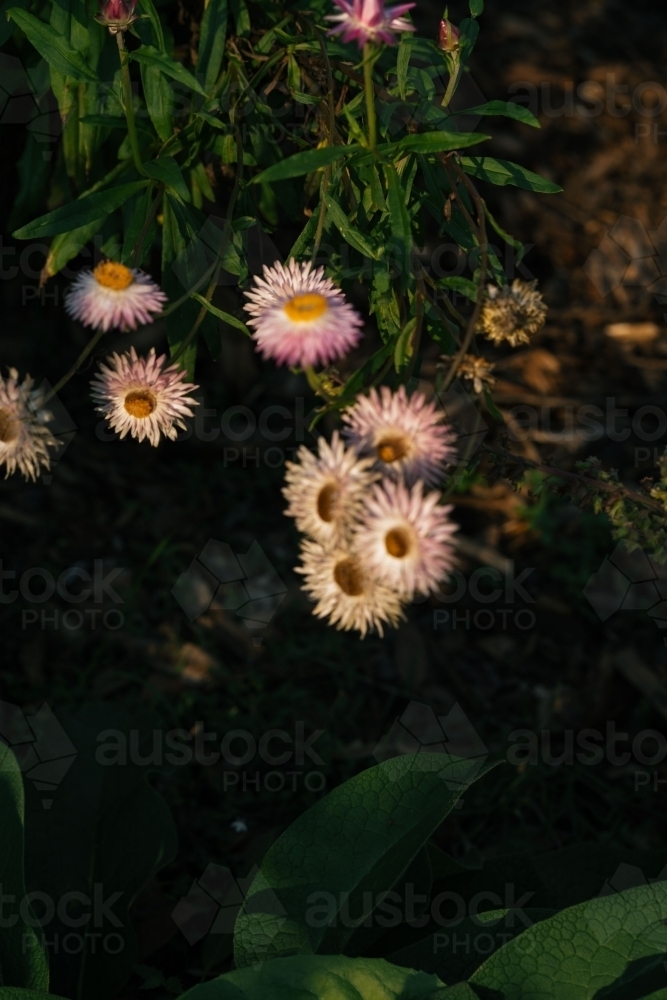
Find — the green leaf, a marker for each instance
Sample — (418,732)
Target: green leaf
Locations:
(402,64)
(221,314)
(439,142)
(311,977)
(404,345)
(66,246)
(170,67)
(212,42)
(346,851)
(503,172)
(79,213)
(302,242)
(22,961)
(167,170)
(53,47)
(349,233)
(148,7)
(303,163)
(399,218)
(583,949)
(105,836)
(159,100)
(508,109)
(15,993)
(476,7)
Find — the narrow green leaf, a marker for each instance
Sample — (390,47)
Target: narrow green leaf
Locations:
(148,7)
(507,109)
(349,233)
(79,213)
(439,142)
(302,242)
(167,170)
(170,67)
(159,100)
(402,64)
(405,344)
(57,51)
(401,229)
(303,163)
(221,314)
(503,172)
(212,42)
(66,246)
(110,121)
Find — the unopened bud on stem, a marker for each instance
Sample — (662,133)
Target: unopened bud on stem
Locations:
(449,36)
(117,15)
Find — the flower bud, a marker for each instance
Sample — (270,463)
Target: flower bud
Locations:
(449,36)
(117,15)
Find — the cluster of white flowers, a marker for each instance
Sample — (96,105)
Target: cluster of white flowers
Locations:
(376,535)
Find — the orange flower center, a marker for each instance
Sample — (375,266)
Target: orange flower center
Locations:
(398,543)
(109,274)
(348,577)
(392,448)
(326,502)
(140,403)
(9,427)
(303,308)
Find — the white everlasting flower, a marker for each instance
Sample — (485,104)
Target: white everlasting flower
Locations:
(513,314)
(24,437)
(326,491)
(114,296)
(345,592)
(143,397)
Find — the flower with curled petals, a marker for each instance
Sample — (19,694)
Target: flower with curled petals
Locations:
(300,318)
(404,434)
(114,296)
(24,437)
(363,21)
(143,397)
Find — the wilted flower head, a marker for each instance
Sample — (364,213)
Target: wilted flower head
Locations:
(142,396)
(405,435)
(477,370)
(345,592)
(449,36)
(363,21)
(405,538)
(300,317)
(117,15)
(512,315)
(114,295)
(24,438)
(326,491)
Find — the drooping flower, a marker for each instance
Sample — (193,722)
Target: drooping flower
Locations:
(326,491)
(363,21)
(113,295)
(477,370)
(117,15)
(449,36)
(143,397)
(345,592)
(24,437)
(405,538)
(405,435)
(299,316)
(512,314)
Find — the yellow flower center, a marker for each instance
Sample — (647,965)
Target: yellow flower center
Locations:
(9,427)
(304,308)
(392,448)
(398,543)
(348,577)
(140,403)
(326,502)
(109,274)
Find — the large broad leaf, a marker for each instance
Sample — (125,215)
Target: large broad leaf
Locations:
(584,950)
(55,48)
(321,977)
(79,213)
(22,961)
(104,836)
(303,163)
(503,172)
(328,872)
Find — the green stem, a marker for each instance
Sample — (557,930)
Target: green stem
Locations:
(454,77)
(370,95)
(313,379)
(129,108)
(75,367)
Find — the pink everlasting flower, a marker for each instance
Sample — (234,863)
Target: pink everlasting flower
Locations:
(300,317)
(405,434)
(114,296)
(363,21)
